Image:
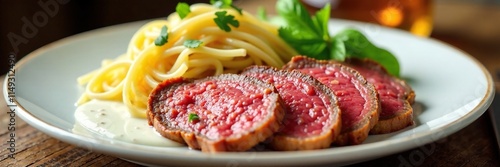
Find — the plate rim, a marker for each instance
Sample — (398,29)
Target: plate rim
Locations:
(97,145)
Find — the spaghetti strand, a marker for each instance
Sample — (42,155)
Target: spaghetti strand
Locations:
(132,76)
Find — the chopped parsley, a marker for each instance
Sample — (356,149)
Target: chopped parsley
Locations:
(191,43)
(223,20)
(182,9)
(193,117)
(226,4)
(162,39)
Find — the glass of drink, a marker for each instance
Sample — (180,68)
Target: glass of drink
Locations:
(414,16)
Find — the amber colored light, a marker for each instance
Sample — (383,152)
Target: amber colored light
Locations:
(422,26)
(391,16)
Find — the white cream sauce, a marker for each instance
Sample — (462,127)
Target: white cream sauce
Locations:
(112,120)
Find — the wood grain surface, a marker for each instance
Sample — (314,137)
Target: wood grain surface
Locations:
(474,145)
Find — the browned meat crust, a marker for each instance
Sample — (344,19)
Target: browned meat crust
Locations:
(241,141)
(359,132)
(400,119)
(397,122)
(328,133)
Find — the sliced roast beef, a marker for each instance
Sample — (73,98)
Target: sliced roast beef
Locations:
(312,117)
(357,98)
(224,113)
(395,96)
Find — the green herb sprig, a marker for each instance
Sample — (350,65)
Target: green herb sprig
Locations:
(191,43)
(223,20)
(357,45)
(193,117)
(162,39)
(182,9)
(309,36)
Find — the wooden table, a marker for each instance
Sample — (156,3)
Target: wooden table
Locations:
(475,145)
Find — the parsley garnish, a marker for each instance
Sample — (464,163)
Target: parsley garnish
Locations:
(223,21)
(225,4)
(191,43)
(182,9)
(193,117)
(162,39)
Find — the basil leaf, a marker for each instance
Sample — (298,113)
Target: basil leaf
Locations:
(338,51)
(308,35)
(191,43)
(296,16)
(358,46)
(321,19)
(162,39)
(303,42)
(223,21)
(182,9)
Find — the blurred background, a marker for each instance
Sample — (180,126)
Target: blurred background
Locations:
(56,19)
(25,25)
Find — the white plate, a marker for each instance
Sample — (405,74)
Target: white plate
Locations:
(452,90)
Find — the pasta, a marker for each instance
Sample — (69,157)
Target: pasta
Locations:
(131,77)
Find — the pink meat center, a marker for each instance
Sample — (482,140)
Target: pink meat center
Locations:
(350,95)
(224,107)
(307,114)
(390,93)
